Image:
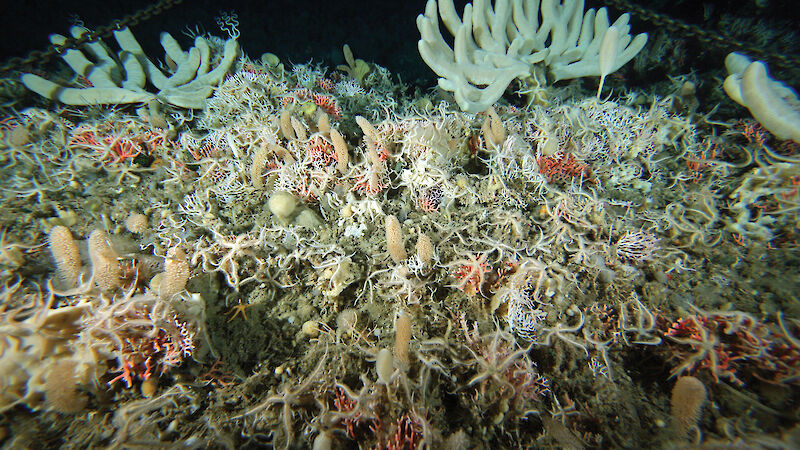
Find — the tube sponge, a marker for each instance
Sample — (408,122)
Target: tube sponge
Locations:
(767,106)
(496,42)
(191,83)
(175,275)
(395,244)
(106,272)
(66,256)
(771,103)
(607,55)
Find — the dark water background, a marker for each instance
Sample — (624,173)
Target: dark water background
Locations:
(383,32)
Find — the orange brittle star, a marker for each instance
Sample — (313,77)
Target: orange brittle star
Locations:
(239,309)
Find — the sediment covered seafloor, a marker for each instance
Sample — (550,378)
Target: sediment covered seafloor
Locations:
(328,257)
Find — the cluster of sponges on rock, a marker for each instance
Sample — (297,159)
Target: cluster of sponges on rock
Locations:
(57,346)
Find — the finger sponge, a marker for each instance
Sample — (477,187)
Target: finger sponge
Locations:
(771,103)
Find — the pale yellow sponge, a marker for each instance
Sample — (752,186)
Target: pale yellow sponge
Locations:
(176,273)
(256,169)
(136,223)
(402,340)
(394,240)
(65,255)
(106,272)
(688,397)
(342,155)
(61,388)
(424,249)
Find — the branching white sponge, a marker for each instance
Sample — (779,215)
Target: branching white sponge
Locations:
(773,104)
(122,79)
(493,45)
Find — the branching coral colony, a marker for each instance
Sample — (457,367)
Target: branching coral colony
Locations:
(413,275)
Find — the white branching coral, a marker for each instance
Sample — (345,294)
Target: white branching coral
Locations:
(522,296)
(225,253)
(636,246)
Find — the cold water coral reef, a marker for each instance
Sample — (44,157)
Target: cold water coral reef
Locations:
(331,259)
